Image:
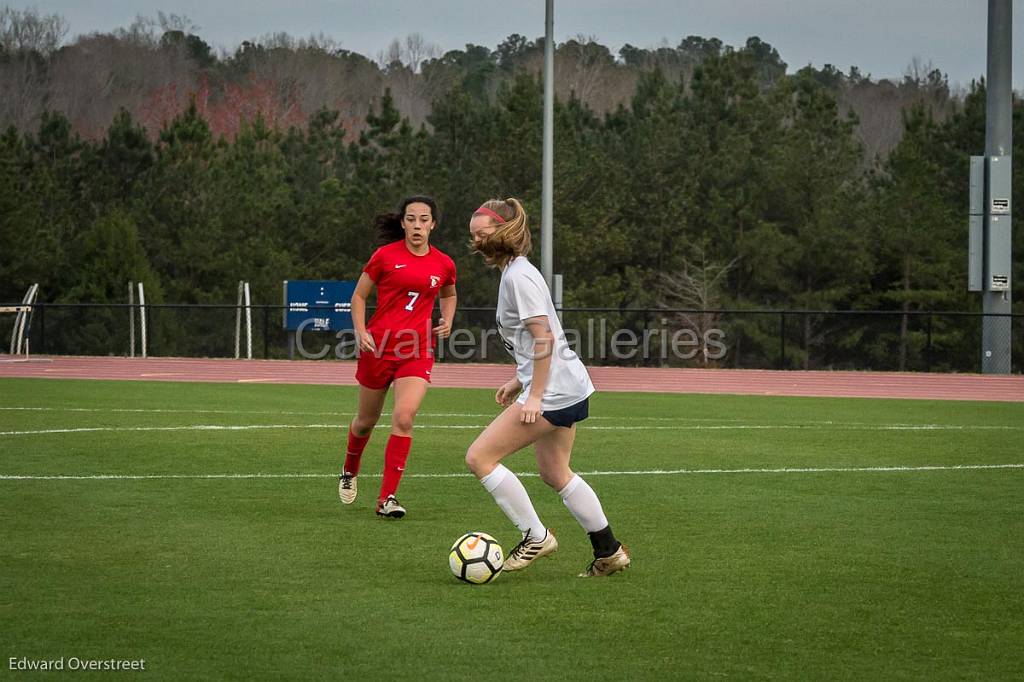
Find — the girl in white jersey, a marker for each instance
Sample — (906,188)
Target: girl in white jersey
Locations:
(543,402)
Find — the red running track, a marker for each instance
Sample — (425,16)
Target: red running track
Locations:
(656,380)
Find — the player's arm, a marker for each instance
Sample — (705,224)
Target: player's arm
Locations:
(364,287)
(448,302)
(543,345)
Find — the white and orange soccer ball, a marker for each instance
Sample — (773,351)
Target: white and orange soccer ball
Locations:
(476,558)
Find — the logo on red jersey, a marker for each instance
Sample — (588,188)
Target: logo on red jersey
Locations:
(434,281)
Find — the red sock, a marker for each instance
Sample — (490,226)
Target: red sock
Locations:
(354,453)
(395,454)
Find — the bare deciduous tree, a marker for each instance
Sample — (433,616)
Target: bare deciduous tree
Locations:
(411,52)
(140,32)
(101,73)
(401,64)
(30,39)
(315,74)
(692,291)
(28,30)
(22,80)
(584,68)
(879,106)
(176,22)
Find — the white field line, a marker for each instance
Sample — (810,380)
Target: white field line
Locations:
(115,410)
(306,413)
(421,415)
(679,427)
(652,472)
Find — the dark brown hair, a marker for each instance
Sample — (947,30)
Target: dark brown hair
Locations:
(388,226)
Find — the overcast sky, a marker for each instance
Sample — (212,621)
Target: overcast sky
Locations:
(881,37)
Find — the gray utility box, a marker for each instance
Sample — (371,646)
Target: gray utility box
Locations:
(997,229)
(976,227)
(989,234)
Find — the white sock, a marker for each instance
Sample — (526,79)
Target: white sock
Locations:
(511,496)
(582,501)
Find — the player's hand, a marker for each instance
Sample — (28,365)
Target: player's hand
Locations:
(531,410)
(366,343)
(508,392)
(443,330)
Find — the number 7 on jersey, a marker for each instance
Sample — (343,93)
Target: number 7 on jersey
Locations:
(413,295)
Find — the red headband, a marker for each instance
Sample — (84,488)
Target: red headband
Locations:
(487,211)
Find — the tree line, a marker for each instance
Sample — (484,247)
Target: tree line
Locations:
(719,181)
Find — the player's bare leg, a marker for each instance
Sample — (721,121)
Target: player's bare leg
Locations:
(409,394)
(505,435)
(553,452)
(502,437)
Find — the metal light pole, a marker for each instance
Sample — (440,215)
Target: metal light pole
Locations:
(547,172)
(996,297)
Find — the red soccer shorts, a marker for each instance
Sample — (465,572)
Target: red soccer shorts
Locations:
(378,373)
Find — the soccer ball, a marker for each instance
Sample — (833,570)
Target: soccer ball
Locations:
(476,558)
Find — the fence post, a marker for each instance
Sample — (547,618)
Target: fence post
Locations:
(266,330)
(42,328)
(928,352)
(238,321)
(131,319)
(782,340)
(803,341)
(248,323)
(142,318)
(645,336)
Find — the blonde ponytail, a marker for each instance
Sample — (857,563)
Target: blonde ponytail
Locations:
(511,239)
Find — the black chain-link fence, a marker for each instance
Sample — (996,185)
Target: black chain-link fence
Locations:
(923,341)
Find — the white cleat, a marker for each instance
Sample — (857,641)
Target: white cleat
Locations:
(528,551)
(609,564)
(347,488)
(390,508)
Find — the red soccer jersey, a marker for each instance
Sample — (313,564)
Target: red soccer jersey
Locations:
(407,286)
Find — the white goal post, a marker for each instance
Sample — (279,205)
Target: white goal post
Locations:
(244,301)
(23,321)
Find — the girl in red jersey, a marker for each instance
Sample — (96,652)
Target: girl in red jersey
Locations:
(396,347)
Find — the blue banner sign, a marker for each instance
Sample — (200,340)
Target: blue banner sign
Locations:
(318,305)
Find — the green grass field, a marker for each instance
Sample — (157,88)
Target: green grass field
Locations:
(771,539)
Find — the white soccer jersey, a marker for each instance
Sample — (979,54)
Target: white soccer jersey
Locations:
(523,294)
